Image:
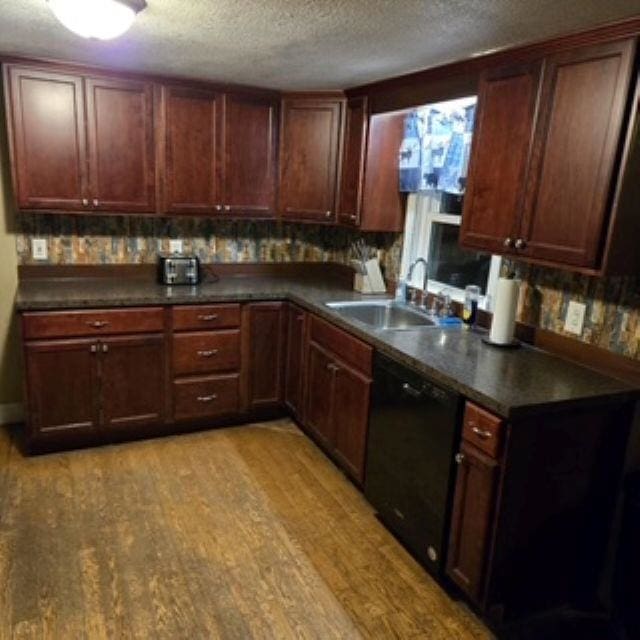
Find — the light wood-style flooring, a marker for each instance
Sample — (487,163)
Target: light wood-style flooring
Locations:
(246,532)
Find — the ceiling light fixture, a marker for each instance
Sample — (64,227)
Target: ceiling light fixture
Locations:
(101,19)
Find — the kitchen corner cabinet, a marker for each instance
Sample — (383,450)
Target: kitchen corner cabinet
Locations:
(532,506)
(80,143)
(543,180)
(265,324)
(370,197)
(338,387)
(309,152)
(295,361)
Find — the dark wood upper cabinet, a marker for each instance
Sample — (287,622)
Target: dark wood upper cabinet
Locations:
(192,133)
(383,206)
(250,155)
(295,360)
(499,158)
(266,325)
(472,521)
(309,149)
(352,174)
(582,112)
(552,143)
(46,119)
(132,374)
(120,124)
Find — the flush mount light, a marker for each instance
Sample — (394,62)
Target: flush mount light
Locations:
(101,19)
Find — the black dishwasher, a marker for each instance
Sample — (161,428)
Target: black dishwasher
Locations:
(413,431)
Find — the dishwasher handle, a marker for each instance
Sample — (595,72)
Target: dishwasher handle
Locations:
(428,391)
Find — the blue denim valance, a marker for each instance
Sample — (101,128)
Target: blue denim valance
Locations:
(434,154)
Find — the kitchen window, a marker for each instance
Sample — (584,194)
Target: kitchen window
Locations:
(431,232)
(433,164)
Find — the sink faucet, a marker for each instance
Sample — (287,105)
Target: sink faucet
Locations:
(425,282)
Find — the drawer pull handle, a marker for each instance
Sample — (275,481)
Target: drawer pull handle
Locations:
(411,391)
(208,353)
(481,433)
(459,458)
(210,398)
(97,324)
(208,317)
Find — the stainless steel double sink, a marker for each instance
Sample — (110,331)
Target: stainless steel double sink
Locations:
(383,314)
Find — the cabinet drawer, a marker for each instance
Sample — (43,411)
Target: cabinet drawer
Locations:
(206,397)
(94,322)
(483,429)
(206,351)
(351,350)
(212,316)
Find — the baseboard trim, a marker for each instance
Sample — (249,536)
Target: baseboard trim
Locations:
(11,413)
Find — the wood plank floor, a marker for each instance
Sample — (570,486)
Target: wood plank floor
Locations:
(246,532)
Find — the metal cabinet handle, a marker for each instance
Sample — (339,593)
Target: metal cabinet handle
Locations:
(208,317)
(411,391)
(508,242)
(97,324)
(459,458)
(105,348)
(96,202)
(218,207)
(353,217)
(208,353)
(520,243)
(94,348)
(210,398)
(227,207)
(85,202)
(327,214)
(482,433)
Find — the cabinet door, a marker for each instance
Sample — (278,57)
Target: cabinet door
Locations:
(47,134)
(121,145)
(133,374)
(319,394)
(352,174)
(472,521)
(502,139)
(383,206)
(309,158)
(351,418)
(266,326)
(192,121)
(250,145)
(62,390)
(582,112)
(294,369)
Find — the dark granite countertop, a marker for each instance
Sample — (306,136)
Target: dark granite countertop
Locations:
(511,383)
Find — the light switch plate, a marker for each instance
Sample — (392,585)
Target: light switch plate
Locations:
(574,320)
(175,246)
(39,249)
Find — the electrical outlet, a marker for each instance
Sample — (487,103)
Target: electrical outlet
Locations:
(39,249)
(574,320)
(175,246)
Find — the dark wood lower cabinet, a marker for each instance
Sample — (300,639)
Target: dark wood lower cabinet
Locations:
(472,520)
(295,362)
(265,326)
(337,398)
(62,387)
(319,394)
(132,382)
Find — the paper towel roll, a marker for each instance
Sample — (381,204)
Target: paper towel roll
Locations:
(504,314)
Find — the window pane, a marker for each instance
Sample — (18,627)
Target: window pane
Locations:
(451,265)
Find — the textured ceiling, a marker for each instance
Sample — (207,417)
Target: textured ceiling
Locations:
(300,44)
